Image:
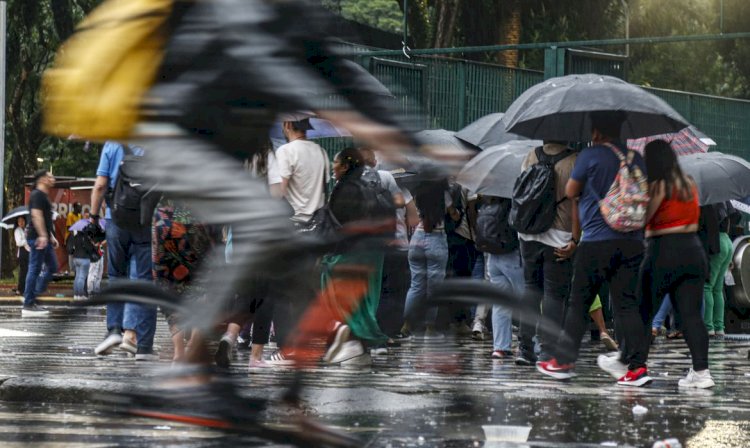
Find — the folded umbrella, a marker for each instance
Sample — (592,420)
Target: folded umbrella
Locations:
(561,108)
(487,131)
(493,172)
(720,177)
(685,142)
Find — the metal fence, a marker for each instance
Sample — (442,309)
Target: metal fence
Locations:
(450,93)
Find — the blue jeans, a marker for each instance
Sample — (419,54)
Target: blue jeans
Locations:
(505,271)
(81,266)
(124,245)
(36,283)
(664,310)
(428,255)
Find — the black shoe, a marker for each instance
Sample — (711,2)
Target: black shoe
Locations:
(146,355)
(223,353)
(392,343)
(525,359)
(243,343)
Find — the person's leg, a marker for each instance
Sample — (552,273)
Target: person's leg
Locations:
(395,286)
(718,292)
(414,311)
(261,329)
(501,316)
(532,253)
(144,315)
(23,270)
(36,259)
(51,266)
(557,278)
(117,270)
(624,285)
(590,260)
(661,316)
(436,256)
(687,302)
(82,266)
(708,293)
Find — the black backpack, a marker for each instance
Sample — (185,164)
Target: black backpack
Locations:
(377,200)
(534,197)
(493,234)
(132,200)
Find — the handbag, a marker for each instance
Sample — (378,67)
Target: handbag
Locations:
(323,224)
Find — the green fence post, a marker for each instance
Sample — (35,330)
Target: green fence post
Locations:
(462,95)
(554,62)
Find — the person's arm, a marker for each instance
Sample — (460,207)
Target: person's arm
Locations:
(412,215)
(573,189)
(37,220)
(97,195)
(656,196)
(567,251)
(276,189)
(283,187)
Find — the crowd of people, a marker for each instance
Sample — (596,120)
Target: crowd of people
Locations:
(366,299)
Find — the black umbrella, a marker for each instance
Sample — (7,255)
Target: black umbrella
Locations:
(561,108)
(442,137)
(720,177)
(493,172)
(487,131)
(9,220)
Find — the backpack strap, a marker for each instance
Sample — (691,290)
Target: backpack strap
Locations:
(619,154)
(543,157)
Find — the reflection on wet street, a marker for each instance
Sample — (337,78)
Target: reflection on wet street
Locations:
(446,394)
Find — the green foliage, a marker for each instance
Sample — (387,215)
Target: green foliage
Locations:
(382,14)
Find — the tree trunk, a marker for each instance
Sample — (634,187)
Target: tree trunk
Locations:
(510,31)
(418,23)
(445,22)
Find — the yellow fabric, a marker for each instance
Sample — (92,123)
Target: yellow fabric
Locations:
(100,74)
(597,305)
(72,219)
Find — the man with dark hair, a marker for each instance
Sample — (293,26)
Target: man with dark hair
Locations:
(603,255)
(41,239)
(304,170)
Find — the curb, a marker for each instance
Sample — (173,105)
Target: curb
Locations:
(45,390)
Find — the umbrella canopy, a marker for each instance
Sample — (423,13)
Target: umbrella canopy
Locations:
(720,177)
(487,131)
(561,108)
(11,216)
(688,141)
(82,223)
(441,137)
(493,172)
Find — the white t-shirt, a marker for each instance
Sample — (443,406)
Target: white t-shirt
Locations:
(402,235)
(274,174)
(306,166)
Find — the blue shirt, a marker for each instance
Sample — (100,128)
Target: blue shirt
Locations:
(596,168)
(109,163)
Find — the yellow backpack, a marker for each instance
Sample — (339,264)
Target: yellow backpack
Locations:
(95,87)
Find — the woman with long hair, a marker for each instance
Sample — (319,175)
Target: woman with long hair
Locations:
(428,256)
(674,262)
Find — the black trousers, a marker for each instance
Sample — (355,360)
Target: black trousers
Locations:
(462,255)
(616,262)
(677,265)
(23,269)
(548,284)
(396,281)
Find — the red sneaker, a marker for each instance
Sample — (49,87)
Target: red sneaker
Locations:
(635,378)
(555,370)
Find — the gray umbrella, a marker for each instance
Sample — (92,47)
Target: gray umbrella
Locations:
(560,109)
(441,137)
(720,177)
(487,131)
(494,171)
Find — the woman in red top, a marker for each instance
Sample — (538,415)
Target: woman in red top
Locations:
(674,262)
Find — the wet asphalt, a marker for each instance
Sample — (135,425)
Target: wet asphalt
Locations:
(445,394)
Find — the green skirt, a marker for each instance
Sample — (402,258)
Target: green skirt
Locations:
(362,321)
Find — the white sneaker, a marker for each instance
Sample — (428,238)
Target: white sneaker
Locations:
(612,365)
(349,350)
(477,330)
(379,350)
(109,343)
(342,335)
(698,380)
(34,310)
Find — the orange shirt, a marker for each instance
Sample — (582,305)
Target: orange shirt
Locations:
(675,213)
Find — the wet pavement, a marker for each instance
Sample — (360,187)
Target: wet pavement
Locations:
(438,394)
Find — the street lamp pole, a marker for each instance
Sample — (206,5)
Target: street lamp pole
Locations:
(3,17)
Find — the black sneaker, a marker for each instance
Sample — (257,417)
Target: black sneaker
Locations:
(34,310)
(403,336)
(223,353)
(524,358)
(146,355)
